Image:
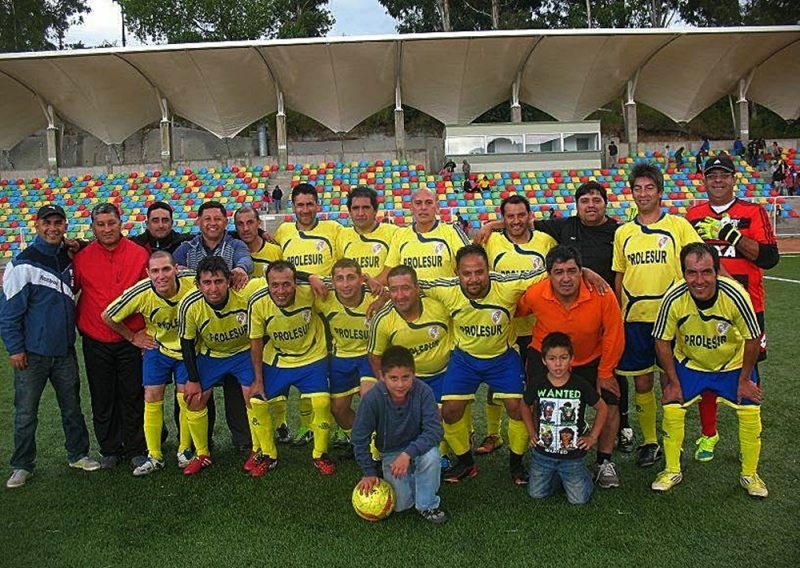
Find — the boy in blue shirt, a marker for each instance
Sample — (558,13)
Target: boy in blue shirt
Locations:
(403,413)
(559,401)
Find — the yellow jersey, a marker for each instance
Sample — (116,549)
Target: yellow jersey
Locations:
(708,336)
(293,336)
(263,257)
(349,326)
(160,314)
(483,327)
(648,256)
(218,333)
(370,250)
(429,337)
(508,257)
(432,255)
(311,251)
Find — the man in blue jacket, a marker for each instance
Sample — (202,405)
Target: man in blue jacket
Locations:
(37,324)
(403,413)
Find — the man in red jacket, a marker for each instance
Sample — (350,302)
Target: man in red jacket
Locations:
(103,271)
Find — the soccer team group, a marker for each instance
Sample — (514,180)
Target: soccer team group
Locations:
(552,315)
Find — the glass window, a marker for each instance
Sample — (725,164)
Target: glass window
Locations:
(535,143)
(581,142)
(459,145)
(504,144)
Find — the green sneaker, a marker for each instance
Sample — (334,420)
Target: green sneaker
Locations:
(666,480)
(705,447)
(755,486)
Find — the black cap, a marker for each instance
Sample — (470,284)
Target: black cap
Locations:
(50,209)
(722,162)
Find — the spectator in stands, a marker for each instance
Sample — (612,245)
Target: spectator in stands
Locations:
(752,153)
(702,153)
(762,151)
(791,181)
(612,153)
(738,147)
(159,234)
(266,200)
(776,151)
(468,185)
(484,183)
(277,198)
(465,168)
(37,323)
(103,271)
(679,157)
(779,176)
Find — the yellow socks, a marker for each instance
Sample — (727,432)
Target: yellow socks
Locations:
(153,424)
(261,427)
(457,435)
(517,436)
(749,438)
(306,412)
(646,409)
(674,426)
(184,436)
(494,414)
(198,426)
(321,422)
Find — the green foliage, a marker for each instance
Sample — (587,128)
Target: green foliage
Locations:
(190,21)
(37,25)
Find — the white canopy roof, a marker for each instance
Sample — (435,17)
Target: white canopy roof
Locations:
(455,77)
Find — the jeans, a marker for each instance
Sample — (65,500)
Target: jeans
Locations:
(420,485)
(29,384)
(573,474)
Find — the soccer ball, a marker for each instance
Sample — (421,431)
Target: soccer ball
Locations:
(378,505)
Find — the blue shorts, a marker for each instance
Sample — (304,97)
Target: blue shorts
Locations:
(213,370)
(723,383)
(346,374)
(311,379)
(639,357)
(158,369)
(436,382)
(465,373)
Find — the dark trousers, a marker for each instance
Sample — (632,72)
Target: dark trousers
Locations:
(114,373)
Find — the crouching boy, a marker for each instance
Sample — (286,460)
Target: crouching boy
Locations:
(402,412)
(554,415)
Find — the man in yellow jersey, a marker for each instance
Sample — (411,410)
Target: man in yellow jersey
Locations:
(518,248)
(310,245)
(428,246)
(215,344)
(288,348)
(708,338)
(262,252)
(482,305)
(367,241)
(646,262)
(345,311)
(157,299)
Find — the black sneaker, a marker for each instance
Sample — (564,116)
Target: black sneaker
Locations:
(435,516)
(460,472)
(649,454)
(303,439)
(284,436)
(626,442)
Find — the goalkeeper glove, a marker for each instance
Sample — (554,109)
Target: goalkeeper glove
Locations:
(711,229)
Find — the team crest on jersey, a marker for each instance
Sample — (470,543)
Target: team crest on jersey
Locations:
(241,318)
(306,316)
(722,328)
(497,315)
(537,263)
(376,248)
(433,331)
(438,248)
(662,241)
(320,245)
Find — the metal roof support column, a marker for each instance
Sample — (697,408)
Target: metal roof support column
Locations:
(516,108)
(166,134)
(743,110)
(631,120)
(280,131)
(52,140)
(399,115)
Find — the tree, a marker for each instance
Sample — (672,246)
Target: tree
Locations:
(36,25)
(419,16)
(189,21)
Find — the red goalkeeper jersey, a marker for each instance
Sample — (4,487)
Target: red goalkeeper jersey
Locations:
(753,222)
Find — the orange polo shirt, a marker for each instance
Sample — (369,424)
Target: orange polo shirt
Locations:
(593,324)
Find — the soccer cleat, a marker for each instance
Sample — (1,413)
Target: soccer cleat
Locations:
(283,435)
(626,440)
(649,454)
(460,472)
(755,486)
(149,466)
(86,464)
(435,516)
(109,462)
(666,480)
(519,476)
(605,475)
(184,458)
(489,444)
(198,463)
(18,478)
(262,465)
(250,464)
(325,465)
(303,438)
(705,447)
(342,441)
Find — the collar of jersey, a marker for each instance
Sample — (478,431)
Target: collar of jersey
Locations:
(433,227)
(636,220)
(299,230)
(505,234)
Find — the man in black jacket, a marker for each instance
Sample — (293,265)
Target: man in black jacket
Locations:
(159,234)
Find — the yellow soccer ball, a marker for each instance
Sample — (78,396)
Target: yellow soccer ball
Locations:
(376,506)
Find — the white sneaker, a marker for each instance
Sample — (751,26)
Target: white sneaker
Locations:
(184,458)
(149,466)
(18,478)
(86,464)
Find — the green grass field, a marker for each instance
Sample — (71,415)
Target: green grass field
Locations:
(293,517)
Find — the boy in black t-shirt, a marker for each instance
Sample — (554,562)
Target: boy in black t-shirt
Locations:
(554,413)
